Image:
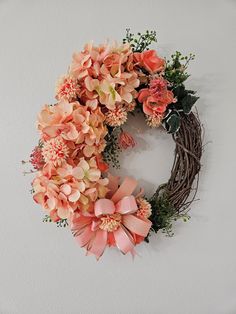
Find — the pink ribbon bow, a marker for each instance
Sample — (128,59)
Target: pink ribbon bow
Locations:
(114,221)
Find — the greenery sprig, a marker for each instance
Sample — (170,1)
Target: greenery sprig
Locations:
(163,213)
(175,71)
(60,223)
(140,42)
(176,74)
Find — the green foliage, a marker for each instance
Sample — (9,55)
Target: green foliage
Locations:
(185,101)
(163,213)
(140,42)
(175,71)
(60,223)
(112,149)
(40,144)
(172,122)
(47,219)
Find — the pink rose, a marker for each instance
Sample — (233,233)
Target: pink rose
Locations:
(126,140)
(150,61)
(155,98)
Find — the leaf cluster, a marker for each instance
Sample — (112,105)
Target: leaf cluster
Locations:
(176,67)
(164,214)
(185,101)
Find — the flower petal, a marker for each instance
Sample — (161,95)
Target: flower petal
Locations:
(66,189)
(93,174)
(84,165)
(74,197)
(78,173)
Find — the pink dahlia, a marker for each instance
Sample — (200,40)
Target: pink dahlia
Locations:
(67,88)
(55,151)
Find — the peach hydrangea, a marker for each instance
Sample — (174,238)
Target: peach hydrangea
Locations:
(80,127)
(105,74)
(68,189)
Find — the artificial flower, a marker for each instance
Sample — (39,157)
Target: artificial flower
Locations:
(126,140)
(150,61)
(80,127)
(55,151)
(117,116)
(154,120)
(36,158)
(144,208)
(156,98)
(114,222)
(67,88)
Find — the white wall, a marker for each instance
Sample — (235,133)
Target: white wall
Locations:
(42,270)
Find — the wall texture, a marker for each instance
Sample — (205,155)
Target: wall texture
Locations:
(42,270)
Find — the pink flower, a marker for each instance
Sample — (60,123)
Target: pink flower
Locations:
(117,116)
(126,140)
(57,195)
(67,88)
(156,98)
(36,158)
(52,116)
(79,126)
(55,151)
(114,222)
(68,189)
(144,208)
(150,61)
(113,63)
(105,74)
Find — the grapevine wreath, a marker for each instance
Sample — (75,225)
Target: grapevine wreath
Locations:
(81,137)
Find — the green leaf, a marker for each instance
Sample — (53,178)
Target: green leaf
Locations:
(180,92)
(187,102)
(172,123)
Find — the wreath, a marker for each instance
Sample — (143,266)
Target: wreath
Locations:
(81,137)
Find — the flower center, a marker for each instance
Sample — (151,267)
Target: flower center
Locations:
(111,222)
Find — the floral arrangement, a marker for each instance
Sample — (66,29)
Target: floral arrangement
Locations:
(81,137)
